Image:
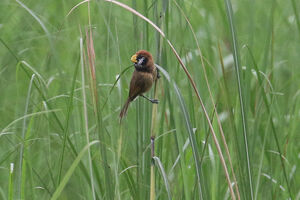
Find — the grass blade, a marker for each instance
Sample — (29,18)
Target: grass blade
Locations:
(69,113)
(71,170)
(164,176)
(21,158)
(191,135)
(115,83)
(129,178)
(237,66)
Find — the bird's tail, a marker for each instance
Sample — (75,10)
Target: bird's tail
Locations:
(124,109)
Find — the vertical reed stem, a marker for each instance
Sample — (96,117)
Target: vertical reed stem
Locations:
(153,127)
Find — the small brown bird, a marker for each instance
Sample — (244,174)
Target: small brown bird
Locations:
(143,77)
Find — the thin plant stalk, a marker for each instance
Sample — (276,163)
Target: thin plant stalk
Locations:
(86,128)
(152,139)
(153,124)
(97,112)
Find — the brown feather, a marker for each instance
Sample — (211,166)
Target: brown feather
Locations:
(141,80)
(124,109)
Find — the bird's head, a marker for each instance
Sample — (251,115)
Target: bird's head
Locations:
(143,61)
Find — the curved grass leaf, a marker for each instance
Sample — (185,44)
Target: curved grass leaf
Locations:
(191,135)
(164,176)
(115,83)
(129,179)
(71,170)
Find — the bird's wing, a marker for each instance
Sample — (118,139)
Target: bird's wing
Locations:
(140,83)
(136,86)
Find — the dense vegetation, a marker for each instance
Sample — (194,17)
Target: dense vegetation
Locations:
(227,125)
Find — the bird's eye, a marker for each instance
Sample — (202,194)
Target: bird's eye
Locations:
(142,60)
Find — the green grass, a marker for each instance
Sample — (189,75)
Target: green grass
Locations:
(229,100)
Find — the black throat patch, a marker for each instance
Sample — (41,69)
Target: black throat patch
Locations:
(142,68)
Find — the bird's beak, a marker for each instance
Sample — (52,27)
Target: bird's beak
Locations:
(133,58)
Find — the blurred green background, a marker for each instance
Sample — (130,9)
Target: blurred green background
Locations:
(48,114)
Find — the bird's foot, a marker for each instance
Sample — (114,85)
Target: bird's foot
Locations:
(156,101)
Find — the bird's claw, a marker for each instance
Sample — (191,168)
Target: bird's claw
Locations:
(156,101)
